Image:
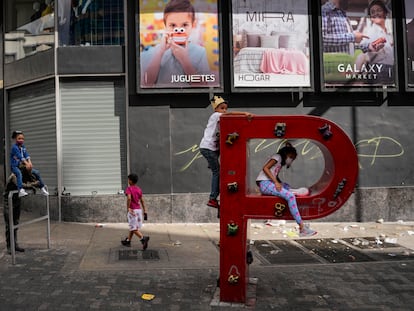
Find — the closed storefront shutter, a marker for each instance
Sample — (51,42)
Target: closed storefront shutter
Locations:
(93,137)
(32,109)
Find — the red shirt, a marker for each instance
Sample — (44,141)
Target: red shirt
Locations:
(136,195)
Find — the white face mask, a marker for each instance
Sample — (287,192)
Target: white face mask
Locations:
(288,162)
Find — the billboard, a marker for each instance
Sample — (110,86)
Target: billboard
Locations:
(178,44)
(270,43)
(358,44)
(409,27)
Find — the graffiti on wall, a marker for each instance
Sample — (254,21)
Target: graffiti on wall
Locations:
(374,148)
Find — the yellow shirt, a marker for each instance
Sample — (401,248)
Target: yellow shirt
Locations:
(47,11)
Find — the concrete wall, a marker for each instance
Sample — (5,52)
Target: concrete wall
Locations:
(1,184)
(366,204)
(371,204)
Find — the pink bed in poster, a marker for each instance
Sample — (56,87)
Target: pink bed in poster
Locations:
(271,60)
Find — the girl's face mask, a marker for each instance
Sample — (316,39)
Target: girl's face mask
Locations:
(289,162)
(20,140)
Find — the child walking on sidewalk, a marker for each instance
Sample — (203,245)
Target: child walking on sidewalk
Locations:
(136,207)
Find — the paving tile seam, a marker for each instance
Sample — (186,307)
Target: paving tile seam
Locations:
(293,266)
(126,265)
(126,269)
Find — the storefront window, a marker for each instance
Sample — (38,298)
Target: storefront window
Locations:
(30,26)
(91,22)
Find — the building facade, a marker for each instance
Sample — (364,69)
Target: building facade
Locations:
(79,80)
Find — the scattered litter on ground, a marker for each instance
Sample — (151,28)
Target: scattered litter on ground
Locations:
(380,221)
(364,242)
(99,225)
(410,232)
(275,223)
(147,296)
(177,243)
(360,241)
(390,240)
(290,233)
(257,226)
(346,228)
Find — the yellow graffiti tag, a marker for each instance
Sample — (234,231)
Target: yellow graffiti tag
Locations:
(373,145)
(305,150)
(367,148)
(193,149)
(263,146)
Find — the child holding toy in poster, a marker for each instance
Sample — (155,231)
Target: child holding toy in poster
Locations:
(380,41)
(176,61)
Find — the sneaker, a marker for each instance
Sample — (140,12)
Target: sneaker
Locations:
(306,231)
(126,242)
(144,242)
(213,203)
(22,193)
(44,191)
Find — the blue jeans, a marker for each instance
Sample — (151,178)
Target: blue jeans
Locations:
(19,177)
(212,158)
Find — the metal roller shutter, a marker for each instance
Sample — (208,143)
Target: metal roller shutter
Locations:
(32,109)
(93,137)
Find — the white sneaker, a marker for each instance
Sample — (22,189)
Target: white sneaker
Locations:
(22,193)
(44,191)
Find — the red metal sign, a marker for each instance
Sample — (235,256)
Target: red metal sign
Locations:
(237,205)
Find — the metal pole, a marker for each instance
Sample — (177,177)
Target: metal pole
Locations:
(48,222)
(11,227)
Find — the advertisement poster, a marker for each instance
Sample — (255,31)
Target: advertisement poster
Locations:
(409,20)
(271,43)
(358,43)
(178,44)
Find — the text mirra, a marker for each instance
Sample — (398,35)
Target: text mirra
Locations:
(286,17)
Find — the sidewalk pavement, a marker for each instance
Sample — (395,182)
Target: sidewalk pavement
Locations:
(87,268)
